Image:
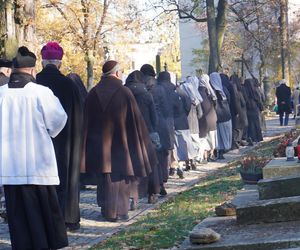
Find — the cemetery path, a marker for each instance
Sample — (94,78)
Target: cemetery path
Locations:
(94,229)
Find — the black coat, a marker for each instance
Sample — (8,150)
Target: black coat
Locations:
(144,101)
(223,107)
(182,110)
(283,94)
(208,121)
(160,100)
(164,80)
(240,121)
(232,102)
(67,144)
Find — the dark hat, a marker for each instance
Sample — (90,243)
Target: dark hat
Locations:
(24,58)
(109,66)
(52,51)
(148,70)
(5,63)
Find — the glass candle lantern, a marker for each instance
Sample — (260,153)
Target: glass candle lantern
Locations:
(289,151)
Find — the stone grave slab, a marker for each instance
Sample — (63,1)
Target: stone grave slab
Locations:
(280,167)
(279,187)
(283,235)
(268,211)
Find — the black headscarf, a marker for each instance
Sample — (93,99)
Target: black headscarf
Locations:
(80,86)
(148,70)
(235,80)
(164,77)
(135,77)
(252,89)
(225,80)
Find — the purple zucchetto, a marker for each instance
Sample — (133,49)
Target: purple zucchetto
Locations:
(52,51)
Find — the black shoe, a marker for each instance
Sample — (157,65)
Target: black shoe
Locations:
(235,146)
(123,217)
(172,172)
(152,199)
(111,219)
(192,164)
(187,166)
(211,159)
(180,173)
(244,143)
(250,142)
(133,205)
(220,155)
(72,226)
(163,191)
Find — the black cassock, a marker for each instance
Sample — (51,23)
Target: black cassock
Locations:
(67,144)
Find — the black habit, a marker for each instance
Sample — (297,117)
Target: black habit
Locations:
(67,144)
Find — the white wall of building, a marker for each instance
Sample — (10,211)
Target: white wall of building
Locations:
(191,38)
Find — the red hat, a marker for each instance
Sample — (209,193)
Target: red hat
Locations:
(109,66)
(52,51)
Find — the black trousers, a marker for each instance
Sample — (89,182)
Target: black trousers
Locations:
(35,220)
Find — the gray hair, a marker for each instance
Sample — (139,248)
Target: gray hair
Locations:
(55,62)
(113,70)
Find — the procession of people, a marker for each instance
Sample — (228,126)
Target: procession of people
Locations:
(130,136)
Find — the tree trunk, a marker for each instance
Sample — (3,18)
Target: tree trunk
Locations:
(221,23)
(90,69)
(284,40)
(9,43)
(17,26)
(25,23)
(212,35)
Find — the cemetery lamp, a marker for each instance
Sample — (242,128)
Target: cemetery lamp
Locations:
(289,151)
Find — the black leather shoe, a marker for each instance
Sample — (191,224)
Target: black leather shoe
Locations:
(72,226)
(133,205)
(172,171)
(163,191)
(180,173)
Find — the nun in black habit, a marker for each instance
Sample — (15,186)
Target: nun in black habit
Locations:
(148,185)
(254,107)
(159,95)
(224,124)
(240,121)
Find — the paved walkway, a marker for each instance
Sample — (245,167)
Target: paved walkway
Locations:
(94,229)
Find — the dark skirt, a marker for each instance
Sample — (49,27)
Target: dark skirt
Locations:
(34,217)
(254,128)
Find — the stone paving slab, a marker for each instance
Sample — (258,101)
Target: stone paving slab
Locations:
(94,229)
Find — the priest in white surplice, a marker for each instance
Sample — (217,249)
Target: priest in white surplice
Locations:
(30,115)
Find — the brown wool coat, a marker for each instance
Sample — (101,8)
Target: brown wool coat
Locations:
(116,139)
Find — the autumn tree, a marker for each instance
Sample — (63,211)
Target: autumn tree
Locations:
(202,11)
(88,25)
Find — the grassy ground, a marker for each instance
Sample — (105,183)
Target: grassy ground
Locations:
(167,226)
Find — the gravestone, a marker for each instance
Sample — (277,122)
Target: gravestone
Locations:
(279,187)
(280,167)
